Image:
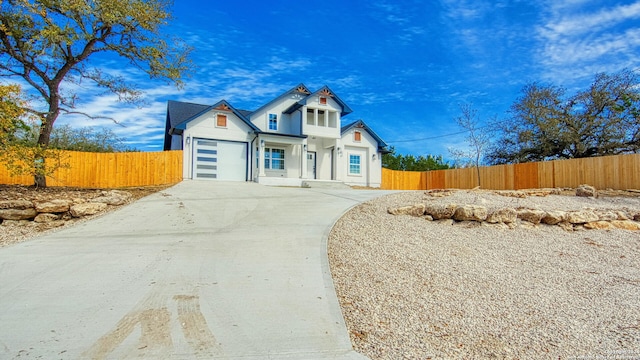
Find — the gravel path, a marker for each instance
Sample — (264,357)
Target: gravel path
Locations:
(416,289)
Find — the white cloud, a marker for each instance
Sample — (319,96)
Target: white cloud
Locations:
(569,23)
(577,39)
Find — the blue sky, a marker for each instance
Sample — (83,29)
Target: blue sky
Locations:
(404,67)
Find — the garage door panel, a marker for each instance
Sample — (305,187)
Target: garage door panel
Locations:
(220,160)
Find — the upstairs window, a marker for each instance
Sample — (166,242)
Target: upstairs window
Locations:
(357,136)
(273,122)
(322,100)
(221,120)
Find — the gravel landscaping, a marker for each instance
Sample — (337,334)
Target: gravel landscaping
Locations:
(418,289)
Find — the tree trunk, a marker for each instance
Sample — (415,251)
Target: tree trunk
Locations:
(39,178)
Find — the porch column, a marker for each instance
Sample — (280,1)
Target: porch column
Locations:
(303,158)
(261,157)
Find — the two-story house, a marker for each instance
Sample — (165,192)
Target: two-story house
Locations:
(296,137)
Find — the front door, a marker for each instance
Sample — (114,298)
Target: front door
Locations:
(311,165)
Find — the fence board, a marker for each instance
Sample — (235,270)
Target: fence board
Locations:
(618,172)
(110,170)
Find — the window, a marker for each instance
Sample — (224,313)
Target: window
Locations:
(357,136)
(322,100)
(311,117)
(321,118)
(273,122)
(221,120)
(354,164)
(274,159)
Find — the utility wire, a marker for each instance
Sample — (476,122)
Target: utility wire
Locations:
(435,137)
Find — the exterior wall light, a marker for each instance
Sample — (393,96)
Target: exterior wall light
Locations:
(188,141)
(262,143)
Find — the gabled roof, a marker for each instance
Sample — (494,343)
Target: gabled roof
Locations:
(298,89)
(360,124)
(328,92)
(325,91)
(220,105)
(177,112)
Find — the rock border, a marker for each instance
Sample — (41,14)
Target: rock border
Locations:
(57,212)
(512,218)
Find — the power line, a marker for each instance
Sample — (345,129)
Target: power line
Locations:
(436,137)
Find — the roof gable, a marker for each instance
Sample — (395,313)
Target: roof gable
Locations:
(222,105)
(301,90)
(177,112)
(324,91)
(360,124)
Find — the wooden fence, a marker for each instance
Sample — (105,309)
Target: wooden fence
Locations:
(110,170)
(609,172)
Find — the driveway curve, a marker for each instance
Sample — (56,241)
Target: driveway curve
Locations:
(202,270)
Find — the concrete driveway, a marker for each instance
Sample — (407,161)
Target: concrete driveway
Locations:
(202,270)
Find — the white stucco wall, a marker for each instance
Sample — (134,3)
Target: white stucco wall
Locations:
(323,149)
(323,131)
(371,167)
(204,127)
(260,117)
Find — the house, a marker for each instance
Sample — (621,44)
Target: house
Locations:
(295,138)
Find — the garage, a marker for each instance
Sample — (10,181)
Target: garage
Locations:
(219,160)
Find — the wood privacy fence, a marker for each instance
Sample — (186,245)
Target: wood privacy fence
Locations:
(618,172)
(110,170)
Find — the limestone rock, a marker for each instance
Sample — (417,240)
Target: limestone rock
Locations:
(413,210)
(53,224)
(626,224)
(581,217)
(428,217)
(18,214)
(86,209)
(448,222)
(113,197)
(469,224)
(46,217)
(15,204)
(586,191)
(53,206)
(606,215)
(439,212)
(505,216)
(512,193)
(554,217)
(623,215)
(599,225)
(533,216)
(17,223)
(439,192)
(470,213)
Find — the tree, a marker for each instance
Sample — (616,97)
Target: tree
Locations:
(11,114)
(17,154)
(394,161)
(87,139)
(547,124)
(477,139)
(49,42)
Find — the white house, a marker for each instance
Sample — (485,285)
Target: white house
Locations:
(295,138)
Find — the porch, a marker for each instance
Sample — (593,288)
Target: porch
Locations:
(289,160)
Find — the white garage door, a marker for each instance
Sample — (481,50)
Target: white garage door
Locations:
(219,160)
